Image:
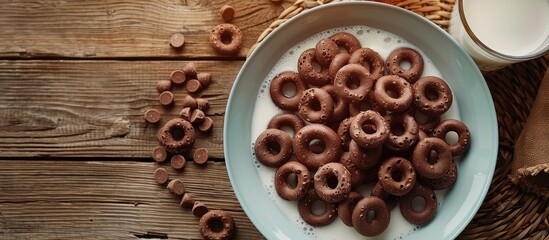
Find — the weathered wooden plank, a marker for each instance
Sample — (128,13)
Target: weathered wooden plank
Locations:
(108,200)
(95,108)
(122,28)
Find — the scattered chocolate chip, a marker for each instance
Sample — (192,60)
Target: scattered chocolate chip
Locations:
(177,40)
(161,176)
(202,104)
(178,162)
(166,98)
(206,125)
(193,86)
(164,85)
(152,116)
(200,156)
(190,102)
(197,116)
(187,201)
(199,209)
(177,76)
(190,70)
(227,13)
(204,78)
(177,187)
(186,113)
(159,154)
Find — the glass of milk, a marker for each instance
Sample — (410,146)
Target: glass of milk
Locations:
(497,33)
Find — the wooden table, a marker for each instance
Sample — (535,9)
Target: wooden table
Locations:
(75,80)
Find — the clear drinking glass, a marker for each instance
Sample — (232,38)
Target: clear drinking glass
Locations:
(497,33)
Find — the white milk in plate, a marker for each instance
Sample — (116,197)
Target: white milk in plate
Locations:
(384,43)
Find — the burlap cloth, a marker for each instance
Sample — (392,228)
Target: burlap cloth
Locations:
(530,167)
(509,211)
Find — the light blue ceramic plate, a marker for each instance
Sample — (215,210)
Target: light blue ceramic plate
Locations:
(457,68)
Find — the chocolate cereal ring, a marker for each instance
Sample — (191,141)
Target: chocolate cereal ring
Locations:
(357,175)
(403,132)
(390,200)
(399,55)
(226,39)
(276,90)
(337,63)
(316,105)
(343,132)
(307,71)
(176,135)
(306,203)
(325,51)
(427,213)
(361,220)
(393,93)
(464,137)
(332,182)
(345,208)
(369,129)
(273,147)
(425,164)
(346,41)
(341,106)
(216,225)
(282,120)
(285,189)
(432,96)
(397,176)
(368,56)
(352,82)
(326,135)
(446,181)
(364,158)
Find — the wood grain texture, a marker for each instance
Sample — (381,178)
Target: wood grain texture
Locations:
(122,28)
(108,200)
(95,108)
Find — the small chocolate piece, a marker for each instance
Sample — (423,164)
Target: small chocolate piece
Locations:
(189,101)
(187,201)
(177,76)
(199,209)
(159,154)
(202,104)
(166,98)
(186,113)
(177,40)
(227,13)
(161,176)
(204,78)
(197,116)
(217,224)
(164,85)
(152,116)
(193,86)
(178,162)
(190,70)
(200,156)
(176,187)
(206,125)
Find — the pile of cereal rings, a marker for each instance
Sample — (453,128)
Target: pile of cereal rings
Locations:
(360,120)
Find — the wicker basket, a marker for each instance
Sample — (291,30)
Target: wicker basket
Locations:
(507,212)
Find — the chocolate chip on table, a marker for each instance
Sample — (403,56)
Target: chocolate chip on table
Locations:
(197,116)
(187,201)
(159,154)
(177,40)
(152,116)
(186,113)
(161,176)
(202,104)
(177,76)
(164,85)
(193,86)
(190,70)
(166,98)
(227,13)
(200,156)
(199,209)
(178,162)
(204,78)
(190,102)
(176,187)
(206,125)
